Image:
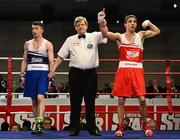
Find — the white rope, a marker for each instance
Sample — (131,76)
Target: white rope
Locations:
(13,58)
(46,93)
(18,73)
(26,112)
(62,73)
(12,73)
(67,93)
(20,58)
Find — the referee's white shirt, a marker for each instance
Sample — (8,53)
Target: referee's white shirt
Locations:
(83,52)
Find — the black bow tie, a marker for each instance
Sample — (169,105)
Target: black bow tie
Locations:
(81,36)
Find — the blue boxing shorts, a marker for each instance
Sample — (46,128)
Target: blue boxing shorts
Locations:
(36,83)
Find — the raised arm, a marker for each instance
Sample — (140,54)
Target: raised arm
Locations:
(151,32)
(104,29)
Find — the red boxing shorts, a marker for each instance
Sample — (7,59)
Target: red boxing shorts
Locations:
(129,82)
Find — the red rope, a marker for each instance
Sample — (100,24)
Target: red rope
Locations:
(149,60)
(147,73)
(9,88)
(108,60)
(148,93)
(137,111)
(168,87)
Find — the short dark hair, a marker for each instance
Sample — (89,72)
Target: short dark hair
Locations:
(38,23)
(4,126)
(129,16)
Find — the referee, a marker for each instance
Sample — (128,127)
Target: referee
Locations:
(84,59)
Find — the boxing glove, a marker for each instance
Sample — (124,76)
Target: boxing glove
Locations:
(145,24)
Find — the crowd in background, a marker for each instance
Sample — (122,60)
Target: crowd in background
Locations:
(48,125)
(27,126)
(153,86)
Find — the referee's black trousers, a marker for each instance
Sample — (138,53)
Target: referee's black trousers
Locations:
(83,84)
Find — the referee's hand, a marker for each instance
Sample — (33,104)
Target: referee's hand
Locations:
(51,75)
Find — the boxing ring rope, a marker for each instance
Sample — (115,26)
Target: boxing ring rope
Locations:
(167,73)
(101,112)
(9,87)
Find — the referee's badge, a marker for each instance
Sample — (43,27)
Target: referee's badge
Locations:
(89,46)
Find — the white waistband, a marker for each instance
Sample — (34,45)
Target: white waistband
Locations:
(130,64)
(43,67)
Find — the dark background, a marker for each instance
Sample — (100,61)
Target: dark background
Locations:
(16,17)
